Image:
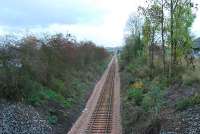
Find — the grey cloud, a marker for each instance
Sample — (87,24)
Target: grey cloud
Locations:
(26,13)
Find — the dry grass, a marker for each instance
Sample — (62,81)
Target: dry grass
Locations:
(192,75)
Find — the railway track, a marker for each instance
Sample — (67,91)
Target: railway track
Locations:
(101,119)
(102,111)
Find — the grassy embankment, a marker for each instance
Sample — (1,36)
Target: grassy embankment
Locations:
(144,98)
(54,74)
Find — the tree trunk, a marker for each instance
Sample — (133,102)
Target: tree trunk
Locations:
(152,55)
(172,39)
(163,44)
(175,55)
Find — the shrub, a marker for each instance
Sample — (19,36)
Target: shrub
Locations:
(153,100)
(76,89)
(45,94)
(58,85)
(136,94)
(52,119)
(34,99)
(10,83)
(191,77)
(137,85)
(181,105)
(147,102)
(52,95)
(131,68)
(187,102)
(67,103)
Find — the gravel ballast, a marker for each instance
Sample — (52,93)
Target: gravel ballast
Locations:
(17,118)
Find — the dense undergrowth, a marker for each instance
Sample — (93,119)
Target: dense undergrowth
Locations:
(144,97)
(55,69)
(156,63)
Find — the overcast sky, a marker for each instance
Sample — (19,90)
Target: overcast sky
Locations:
(101,21)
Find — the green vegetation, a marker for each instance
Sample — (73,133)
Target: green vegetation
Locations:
(45,95)
(191,76)
(136,94)
(52,119)
(55,68)
(153,100)
(188,102)
(156,54)
(48,68)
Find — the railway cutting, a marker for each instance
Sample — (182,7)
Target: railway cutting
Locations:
(102,112)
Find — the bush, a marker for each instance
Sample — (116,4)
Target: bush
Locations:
(147,102)
(136,94)
(35,99)
(159,82)
(10,81)
(58,85)
(192,76)
(52,119)
(187,102)
(76,89)
(53,96)
(68,103)
(137,85)
(44,94)
(153,100)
